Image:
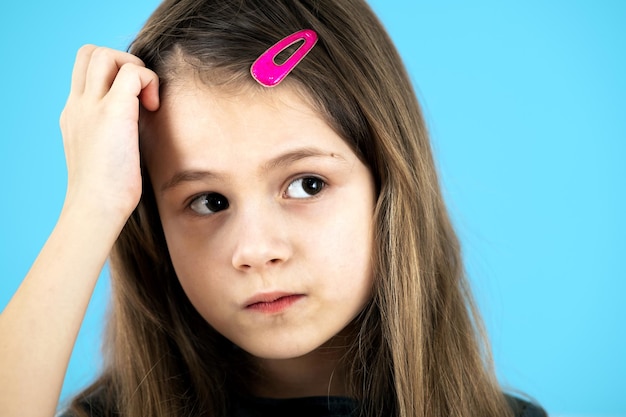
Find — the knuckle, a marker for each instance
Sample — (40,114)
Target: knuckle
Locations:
(129,69)
(62,119)
(102,54)
(86,50)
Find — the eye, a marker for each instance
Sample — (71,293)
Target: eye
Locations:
(209,203)
(305,187)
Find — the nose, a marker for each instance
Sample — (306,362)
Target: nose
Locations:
(261,238)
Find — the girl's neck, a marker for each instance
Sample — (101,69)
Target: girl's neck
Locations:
(319,373)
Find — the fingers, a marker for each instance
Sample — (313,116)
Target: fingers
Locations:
(103,68)
(137,81)
(100,127)
(80,68)
(96,70)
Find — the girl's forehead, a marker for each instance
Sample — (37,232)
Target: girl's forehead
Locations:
(204,123)
(191,102)
(181,94)
(184,77)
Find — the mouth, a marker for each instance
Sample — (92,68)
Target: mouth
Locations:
(275,302)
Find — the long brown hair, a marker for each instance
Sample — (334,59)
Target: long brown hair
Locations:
(419,348)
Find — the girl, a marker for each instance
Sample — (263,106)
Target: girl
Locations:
(275,251)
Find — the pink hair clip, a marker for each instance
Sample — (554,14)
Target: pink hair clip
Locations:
(265,69)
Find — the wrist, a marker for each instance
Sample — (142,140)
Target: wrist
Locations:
(93,217)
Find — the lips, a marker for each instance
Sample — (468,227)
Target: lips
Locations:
(273,302)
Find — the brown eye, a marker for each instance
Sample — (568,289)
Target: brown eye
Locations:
(209,203)
(305,187)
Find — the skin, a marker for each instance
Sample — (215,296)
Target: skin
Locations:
(290,215)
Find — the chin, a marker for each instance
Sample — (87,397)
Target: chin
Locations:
(277,352)
(280,349)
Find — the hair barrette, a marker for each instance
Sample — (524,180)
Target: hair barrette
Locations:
(265,69)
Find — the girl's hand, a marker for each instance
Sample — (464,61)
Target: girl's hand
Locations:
(100,130)
(39,326)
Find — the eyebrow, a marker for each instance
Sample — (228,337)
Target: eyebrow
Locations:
(279,161)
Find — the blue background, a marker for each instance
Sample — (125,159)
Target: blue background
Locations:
(526,105)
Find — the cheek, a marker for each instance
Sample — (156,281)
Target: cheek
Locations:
(191,255)
(347,245)
(195,268)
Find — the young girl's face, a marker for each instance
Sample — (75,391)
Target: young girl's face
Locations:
(267,214)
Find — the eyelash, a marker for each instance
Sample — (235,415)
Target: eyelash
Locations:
(319,181)
(203,199)
(311,181)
